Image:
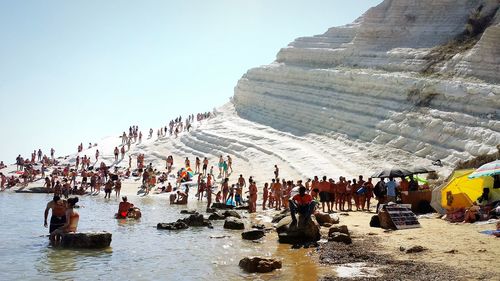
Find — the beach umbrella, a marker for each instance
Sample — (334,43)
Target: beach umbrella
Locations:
(488,169)
(462,191)
(436,192)
(394,173)
(421,170)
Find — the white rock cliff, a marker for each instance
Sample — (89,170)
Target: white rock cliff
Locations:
(421,77)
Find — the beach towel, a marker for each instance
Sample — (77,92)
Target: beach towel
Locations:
(490,232)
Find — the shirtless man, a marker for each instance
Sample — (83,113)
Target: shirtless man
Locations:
(208,191)
(276,171)
(58,217)
(242,182)
(324,193)
(108,187)
(122,151)
(116,152)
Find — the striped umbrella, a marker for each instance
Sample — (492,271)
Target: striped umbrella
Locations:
(488,169)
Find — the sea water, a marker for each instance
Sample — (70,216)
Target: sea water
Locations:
(138,250)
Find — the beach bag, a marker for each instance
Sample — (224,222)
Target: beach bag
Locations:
(375,221)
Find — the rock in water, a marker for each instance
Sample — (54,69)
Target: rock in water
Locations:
(253,234)
(196,220)
(221,206)
(259,265)
(305,231)
(216,216)
(189,212)
(234,223)
(172,226)
(231,213)
(89,240)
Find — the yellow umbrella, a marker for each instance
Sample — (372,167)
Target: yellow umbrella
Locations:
(462,191)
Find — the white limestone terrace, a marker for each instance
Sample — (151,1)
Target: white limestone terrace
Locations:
(379,84)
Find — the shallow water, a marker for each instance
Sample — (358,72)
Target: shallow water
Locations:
(138,251)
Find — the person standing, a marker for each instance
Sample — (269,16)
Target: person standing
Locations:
(391,190)
(52,152)
(252,189)
(58,217)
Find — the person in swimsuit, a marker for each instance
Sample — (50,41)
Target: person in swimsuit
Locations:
(58,217)
(221,163)
(124,208)
(225,189)
(108,187)
(229,163)
(276,171)
(205,165)
(265,195)
(197,164)
(252,189)
(71,224)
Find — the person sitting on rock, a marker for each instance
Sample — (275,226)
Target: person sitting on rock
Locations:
(124,208)
(71,224)
(182,198)
(303,204)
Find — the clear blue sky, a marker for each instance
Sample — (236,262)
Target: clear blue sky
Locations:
(76,71)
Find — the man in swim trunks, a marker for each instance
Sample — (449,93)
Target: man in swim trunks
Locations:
(58,217)
(324,193)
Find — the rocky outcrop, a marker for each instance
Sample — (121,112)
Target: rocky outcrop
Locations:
(259,265)
(253,234)
(306,230)
(233,223)
(89,240)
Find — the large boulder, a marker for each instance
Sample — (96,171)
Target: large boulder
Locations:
(385,220)
(88,240)
(189,212)
(234,223)
(253,234)
(221,206)
(172,226)
(306,230)
(324,218)
(216,216)
(259,265)
(232,213)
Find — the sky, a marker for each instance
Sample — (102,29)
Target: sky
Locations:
(77,71)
